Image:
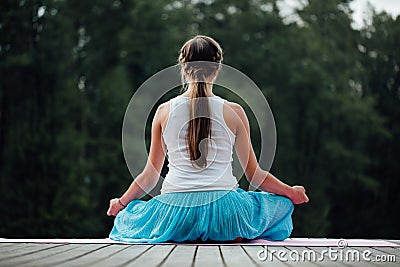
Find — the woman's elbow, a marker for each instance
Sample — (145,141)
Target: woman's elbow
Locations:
(256,175)
(147,178)
(151,175)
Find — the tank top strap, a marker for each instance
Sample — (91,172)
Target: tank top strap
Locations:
(217,106)
(173,103)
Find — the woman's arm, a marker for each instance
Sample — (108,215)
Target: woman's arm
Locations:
(148,178)
(258,177)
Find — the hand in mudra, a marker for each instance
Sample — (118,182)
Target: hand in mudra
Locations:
(115,207)
(298,195)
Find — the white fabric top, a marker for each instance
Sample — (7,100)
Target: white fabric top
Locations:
(182,175)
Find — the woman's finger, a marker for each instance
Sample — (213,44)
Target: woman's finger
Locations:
(111,211)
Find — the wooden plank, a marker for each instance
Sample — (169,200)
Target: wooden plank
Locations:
(182,255)
(39,257)
(154,257)
(208,256)
(99,256)
(24,250)
(253,253)
(362,262)
(53,257)
(385,256)
(394,241)
(350,257)
(14,247)
(324,259)
(4,245)
(294,256)
(33,254)
(17,246)
(71,253)
(236,256)
(125,256)
(389,250)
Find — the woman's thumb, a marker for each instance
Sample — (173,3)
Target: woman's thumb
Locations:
(109,211)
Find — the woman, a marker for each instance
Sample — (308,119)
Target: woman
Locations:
(200,198)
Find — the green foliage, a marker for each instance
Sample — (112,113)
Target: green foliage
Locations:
(69,68)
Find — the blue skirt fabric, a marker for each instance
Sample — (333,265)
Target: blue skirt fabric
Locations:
(221,215)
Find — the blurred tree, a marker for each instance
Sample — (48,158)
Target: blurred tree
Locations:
(330,121)
(381,58)
(69,68)
(105,91)
(41,176)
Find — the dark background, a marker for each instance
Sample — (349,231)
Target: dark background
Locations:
(69,68)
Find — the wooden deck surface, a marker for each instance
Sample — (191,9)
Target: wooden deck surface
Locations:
(41,254)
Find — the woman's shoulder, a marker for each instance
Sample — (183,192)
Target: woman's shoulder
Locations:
(234,115)
(162,112)
(164,106)
(232,108)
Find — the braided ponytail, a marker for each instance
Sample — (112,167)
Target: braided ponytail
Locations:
(198,57)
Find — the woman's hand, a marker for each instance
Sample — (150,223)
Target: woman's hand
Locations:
(298,195)
(115,207)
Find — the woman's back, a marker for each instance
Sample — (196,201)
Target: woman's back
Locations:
(202,199)
(184,175)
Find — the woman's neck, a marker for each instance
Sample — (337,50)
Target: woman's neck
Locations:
(209,91)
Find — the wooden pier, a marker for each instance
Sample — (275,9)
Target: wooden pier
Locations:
(42,253)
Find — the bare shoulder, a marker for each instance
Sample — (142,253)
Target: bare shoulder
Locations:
(162,113)
(164,107)
(234,110)
(233,107)
(234,115)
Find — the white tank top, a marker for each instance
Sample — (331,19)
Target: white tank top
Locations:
(182,176)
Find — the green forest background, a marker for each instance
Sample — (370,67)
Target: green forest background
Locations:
(69,68)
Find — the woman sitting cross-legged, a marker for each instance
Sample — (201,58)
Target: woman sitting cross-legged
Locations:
(200,199)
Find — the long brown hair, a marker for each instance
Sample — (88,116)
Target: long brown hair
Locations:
(199,58)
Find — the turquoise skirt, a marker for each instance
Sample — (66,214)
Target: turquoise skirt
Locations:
(221,215)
